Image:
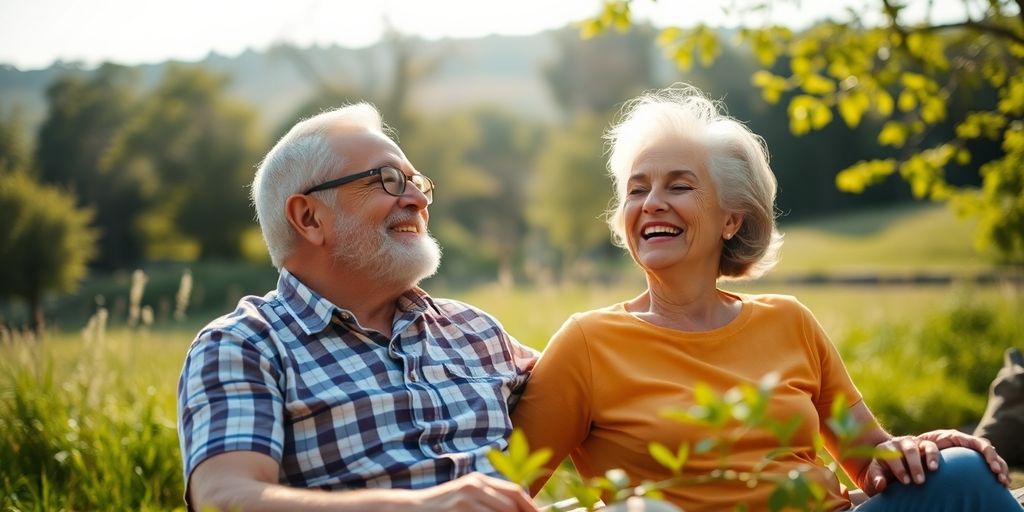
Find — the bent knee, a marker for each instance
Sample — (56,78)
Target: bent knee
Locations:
(962,466)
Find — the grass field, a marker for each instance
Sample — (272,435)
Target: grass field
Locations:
(891,240)
(89,424)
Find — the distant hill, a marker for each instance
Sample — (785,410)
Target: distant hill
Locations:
(501,70)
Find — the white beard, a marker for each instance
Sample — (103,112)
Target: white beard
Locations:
(373,251)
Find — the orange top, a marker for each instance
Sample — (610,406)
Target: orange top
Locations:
(599,387)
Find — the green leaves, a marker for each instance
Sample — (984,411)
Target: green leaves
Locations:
(925,172)
(681,45)
(518,464)
(767,44)
(673,461)
(852,107)
(1011,97)
(894,133)
(817,85)
(981,124)
(863,174)
(921,91)
(808,113)
(797,491)
(614,14)
(772,86)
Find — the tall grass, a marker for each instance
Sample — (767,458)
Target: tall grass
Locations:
(90,426)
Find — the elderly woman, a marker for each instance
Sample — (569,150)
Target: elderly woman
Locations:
(694,204)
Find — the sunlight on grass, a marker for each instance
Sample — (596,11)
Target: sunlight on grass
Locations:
(90,426)
(906,239)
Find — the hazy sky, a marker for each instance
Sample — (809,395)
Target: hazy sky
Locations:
(34,33)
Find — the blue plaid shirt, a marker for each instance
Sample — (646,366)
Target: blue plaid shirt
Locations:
(297,378)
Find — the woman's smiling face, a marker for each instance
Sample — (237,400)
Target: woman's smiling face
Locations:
(671,212)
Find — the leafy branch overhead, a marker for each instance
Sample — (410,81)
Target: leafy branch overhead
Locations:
(910,74)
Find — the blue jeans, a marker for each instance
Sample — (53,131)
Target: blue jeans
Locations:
(963,482)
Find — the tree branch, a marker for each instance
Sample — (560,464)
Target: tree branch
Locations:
(973,25)
(892,12)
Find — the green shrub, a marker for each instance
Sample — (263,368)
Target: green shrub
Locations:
(923,374)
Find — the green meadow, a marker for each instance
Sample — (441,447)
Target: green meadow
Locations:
(87,420)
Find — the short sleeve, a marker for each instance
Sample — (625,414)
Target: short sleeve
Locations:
(834,378)
(555,410)
(524,359)
(228,400)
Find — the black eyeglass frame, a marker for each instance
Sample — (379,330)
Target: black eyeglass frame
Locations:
(429,192)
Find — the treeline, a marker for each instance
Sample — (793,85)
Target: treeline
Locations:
(165,169)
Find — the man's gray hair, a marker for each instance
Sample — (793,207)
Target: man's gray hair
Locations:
(302,159)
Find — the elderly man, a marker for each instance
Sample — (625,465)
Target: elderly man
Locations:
(348,387)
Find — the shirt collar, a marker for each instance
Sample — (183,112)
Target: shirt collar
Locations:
(313,312)
(310,309)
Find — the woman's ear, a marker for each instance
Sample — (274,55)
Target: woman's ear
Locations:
(304,214)
(733,223)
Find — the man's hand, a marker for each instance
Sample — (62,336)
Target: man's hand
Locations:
(916,453)
(474,492)
(247,481)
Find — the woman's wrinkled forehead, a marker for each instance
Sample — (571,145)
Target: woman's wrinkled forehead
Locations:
(659,145)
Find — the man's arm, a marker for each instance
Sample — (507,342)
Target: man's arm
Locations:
(247,481)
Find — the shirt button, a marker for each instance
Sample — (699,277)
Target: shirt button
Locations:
(437,447)
(413,377)
(345,316)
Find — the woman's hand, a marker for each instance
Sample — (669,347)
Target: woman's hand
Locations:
(950,438)
(912,454)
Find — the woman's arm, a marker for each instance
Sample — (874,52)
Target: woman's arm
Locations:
(555,410)
(913,456)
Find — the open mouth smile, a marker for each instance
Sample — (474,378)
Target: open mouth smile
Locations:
(651,231)
(408,228)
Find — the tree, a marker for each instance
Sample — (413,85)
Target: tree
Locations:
(505,149)
(480,160)
(595,75)
(83,116)
(909,74)
(571,191)
(200,147)
(14,153)
(45,242)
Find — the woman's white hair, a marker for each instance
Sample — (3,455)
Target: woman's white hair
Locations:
(737,160)
(302,159)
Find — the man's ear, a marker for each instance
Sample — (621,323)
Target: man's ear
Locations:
(304,215)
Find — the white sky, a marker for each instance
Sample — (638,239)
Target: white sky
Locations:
(34,33)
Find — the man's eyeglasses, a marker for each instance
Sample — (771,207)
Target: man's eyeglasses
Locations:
(393,181)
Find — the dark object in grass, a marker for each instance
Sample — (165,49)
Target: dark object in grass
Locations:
(1003,422)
